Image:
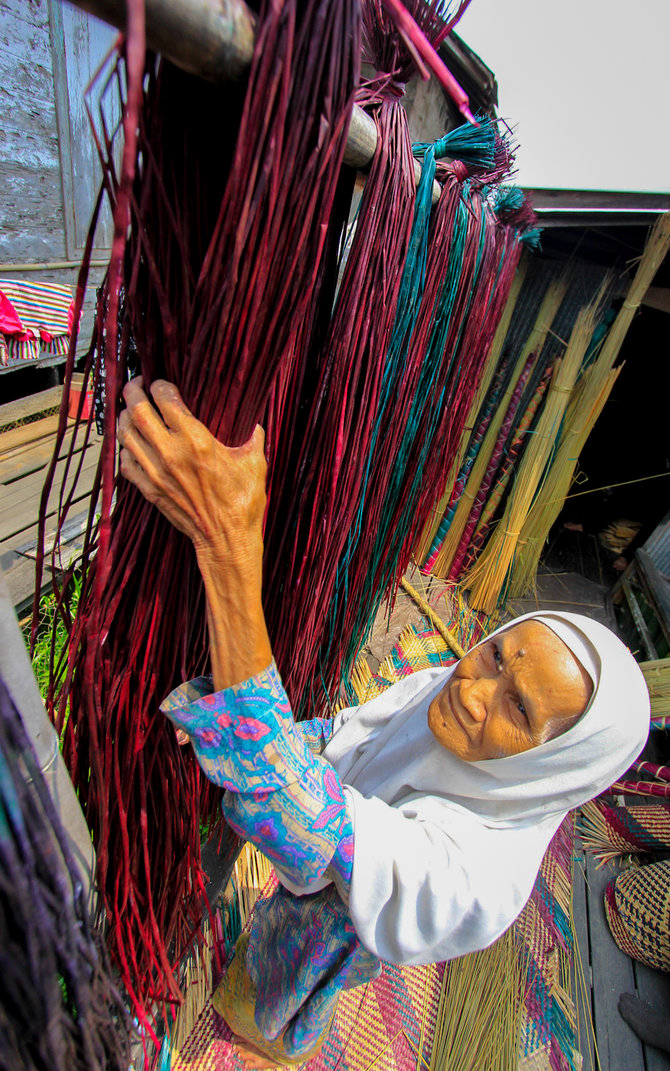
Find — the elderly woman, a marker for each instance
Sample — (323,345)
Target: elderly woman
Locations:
(410,829)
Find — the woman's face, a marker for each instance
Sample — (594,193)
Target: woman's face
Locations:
(510,694)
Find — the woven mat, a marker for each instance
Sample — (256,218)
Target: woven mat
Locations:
(379,1025)
(376,1025)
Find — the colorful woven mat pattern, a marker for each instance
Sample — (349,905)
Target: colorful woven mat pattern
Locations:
(376,1025)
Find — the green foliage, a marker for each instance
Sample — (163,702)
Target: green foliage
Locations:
(53,632)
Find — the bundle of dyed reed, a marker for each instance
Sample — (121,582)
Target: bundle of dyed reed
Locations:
(471,261)
(658,785)
(489,577)
(425,545)
(59,1007)
(476,542)
(205,232)
(442,554)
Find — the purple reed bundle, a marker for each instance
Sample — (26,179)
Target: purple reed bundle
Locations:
(307,532)
(223,265)
(59,1006)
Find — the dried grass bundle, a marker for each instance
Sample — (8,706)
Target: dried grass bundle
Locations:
(586,404)
(505,472)
(479,1014)
(657,677)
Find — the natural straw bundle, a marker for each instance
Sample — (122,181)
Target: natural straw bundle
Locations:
(657,677)
(589,397)
(478,1023)
(488,578)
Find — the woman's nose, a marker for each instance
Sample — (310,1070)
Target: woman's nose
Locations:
(475,695)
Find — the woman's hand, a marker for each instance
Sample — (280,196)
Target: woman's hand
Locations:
(216,495)
(213,493)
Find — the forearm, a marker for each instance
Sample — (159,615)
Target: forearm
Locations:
(238,637)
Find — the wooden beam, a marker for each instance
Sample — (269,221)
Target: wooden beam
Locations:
(214,39)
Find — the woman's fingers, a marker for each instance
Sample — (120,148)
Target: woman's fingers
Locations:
(143,414)
(140,449)
(136,475)
(172,407)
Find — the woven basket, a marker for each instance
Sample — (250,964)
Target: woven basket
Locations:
(637,905)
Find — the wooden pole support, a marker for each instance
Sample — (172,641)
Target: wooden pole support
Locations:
(214,39)
(425,608)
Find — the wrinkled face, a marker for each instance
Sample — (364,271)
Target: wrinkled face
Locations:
(510,694)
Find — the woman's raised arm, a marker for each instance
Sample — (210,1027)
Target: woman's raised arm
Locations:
(216,496)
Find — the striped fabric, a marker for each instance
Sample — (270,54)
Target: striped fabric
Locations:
(44,312)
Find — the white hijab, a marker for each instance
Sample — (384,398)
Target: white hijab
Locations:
(446,852)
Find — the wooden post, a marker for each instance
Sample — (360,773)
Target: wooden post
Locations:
(17,675)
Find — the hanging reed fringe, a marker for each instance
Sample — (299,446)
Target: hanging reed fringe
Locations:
(424,546)
(59,1007)
(247,222)
(228,255)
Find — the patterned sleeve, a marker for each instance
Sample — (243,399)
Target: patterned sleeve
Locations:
(286,800)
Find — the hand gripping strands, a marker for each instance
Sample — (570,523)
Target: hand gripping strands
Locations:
(59,1008)
(226,265)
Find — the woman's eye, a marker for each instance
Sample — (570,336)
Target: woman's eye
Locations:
(497,657)
(521,708)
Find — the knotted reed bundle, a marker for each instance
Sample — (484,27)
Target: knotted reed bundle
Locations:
(610,832)
(59,1007)
(226,249)
(444,548)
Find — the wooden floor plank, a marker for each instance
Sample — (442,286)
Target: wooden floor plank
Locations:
(619,1048)
(27,433)
(35,456)
(19,504)
(34,403)
(654,987)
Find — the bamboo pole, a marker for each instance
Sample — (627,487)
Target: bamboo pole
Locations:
(434,619)
(214,39)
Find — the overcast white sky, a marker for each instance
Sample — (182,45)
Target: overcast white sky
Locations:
(587,84)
